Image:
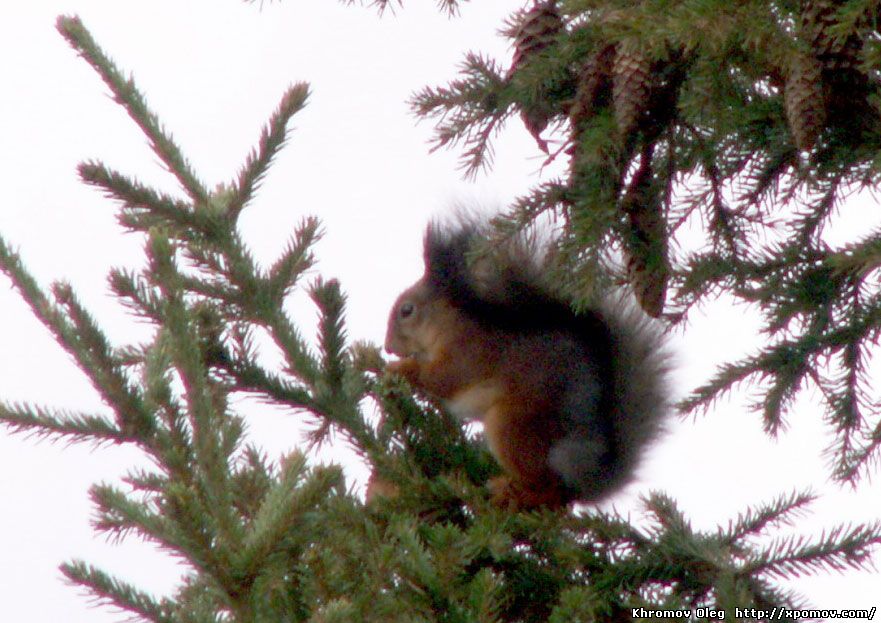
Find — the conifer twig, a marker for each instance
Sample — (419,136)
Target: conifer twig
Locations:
(127,94)
(61,424)
(272,139)
(109,590)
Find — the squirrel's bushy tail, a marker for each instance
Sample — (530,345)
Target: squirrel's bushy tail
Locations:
(615,396)
(604,446)
(640,372)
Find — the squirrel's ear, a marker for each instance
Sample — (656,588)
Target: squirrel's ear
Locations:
(446,267)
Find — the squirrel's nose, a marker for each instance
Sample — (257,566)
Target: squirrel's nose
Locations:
(393,346)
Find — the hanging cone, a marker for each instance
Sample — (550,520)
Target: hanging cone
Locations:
(647,260)
(536,119)
(593,82)
(646,244)
(631,79)
(538,28)
(818,21)
(804,100)
(594,78)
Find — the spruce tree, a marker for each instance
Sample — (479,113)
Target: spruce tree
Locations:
(757,115)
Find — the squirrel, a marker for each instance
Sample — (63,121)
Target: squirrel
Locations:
(569,401)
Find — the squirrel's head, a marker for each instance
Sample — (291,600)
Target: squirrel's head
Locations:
(418,321)
(407,322)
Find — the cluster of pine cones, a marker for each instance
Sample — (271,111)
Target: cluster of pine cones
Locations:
(621,67)
(821,61)
(622,70)
(824,77)
(821,80)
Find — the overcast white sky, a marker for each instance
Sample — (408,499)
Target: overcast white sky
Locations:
(214,71)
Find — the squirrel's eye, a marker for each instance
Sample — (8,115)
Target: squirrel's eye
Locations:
(406,310)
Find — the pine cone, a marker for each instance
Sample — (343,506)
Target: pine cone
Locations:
(818,17)
(647,258)
(646,244)
(804,98)
(631,79)
(536,119)
(594,78)
(538,28)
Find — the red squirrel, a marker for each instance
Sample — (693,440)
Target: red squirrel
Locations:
(568,401)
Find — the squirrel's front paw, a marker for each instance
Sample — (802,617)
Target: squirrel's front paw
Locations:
(405,367)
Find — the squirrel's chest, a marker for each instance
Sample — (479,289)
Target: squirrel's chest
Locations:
(474,401)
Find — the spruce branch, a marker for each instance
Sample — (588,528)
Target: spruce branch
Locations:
(174,443)
(233,278)
(95,356)
(755,522)
(215,434)
(301,363)
(181,521)
(81,337)
(61,424)
(253,476)
(526,209)
(468,111)
(43,309)
(285,507)
(272,139)
(202,287)
(141,299)
(187,527)
(250,377)
(450,7)
(108,590)
(841,548)
(117,515)
(144,481)
(331,334)
(233,261)
(141,205)
(295,259)
(125,93)
(185,353)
